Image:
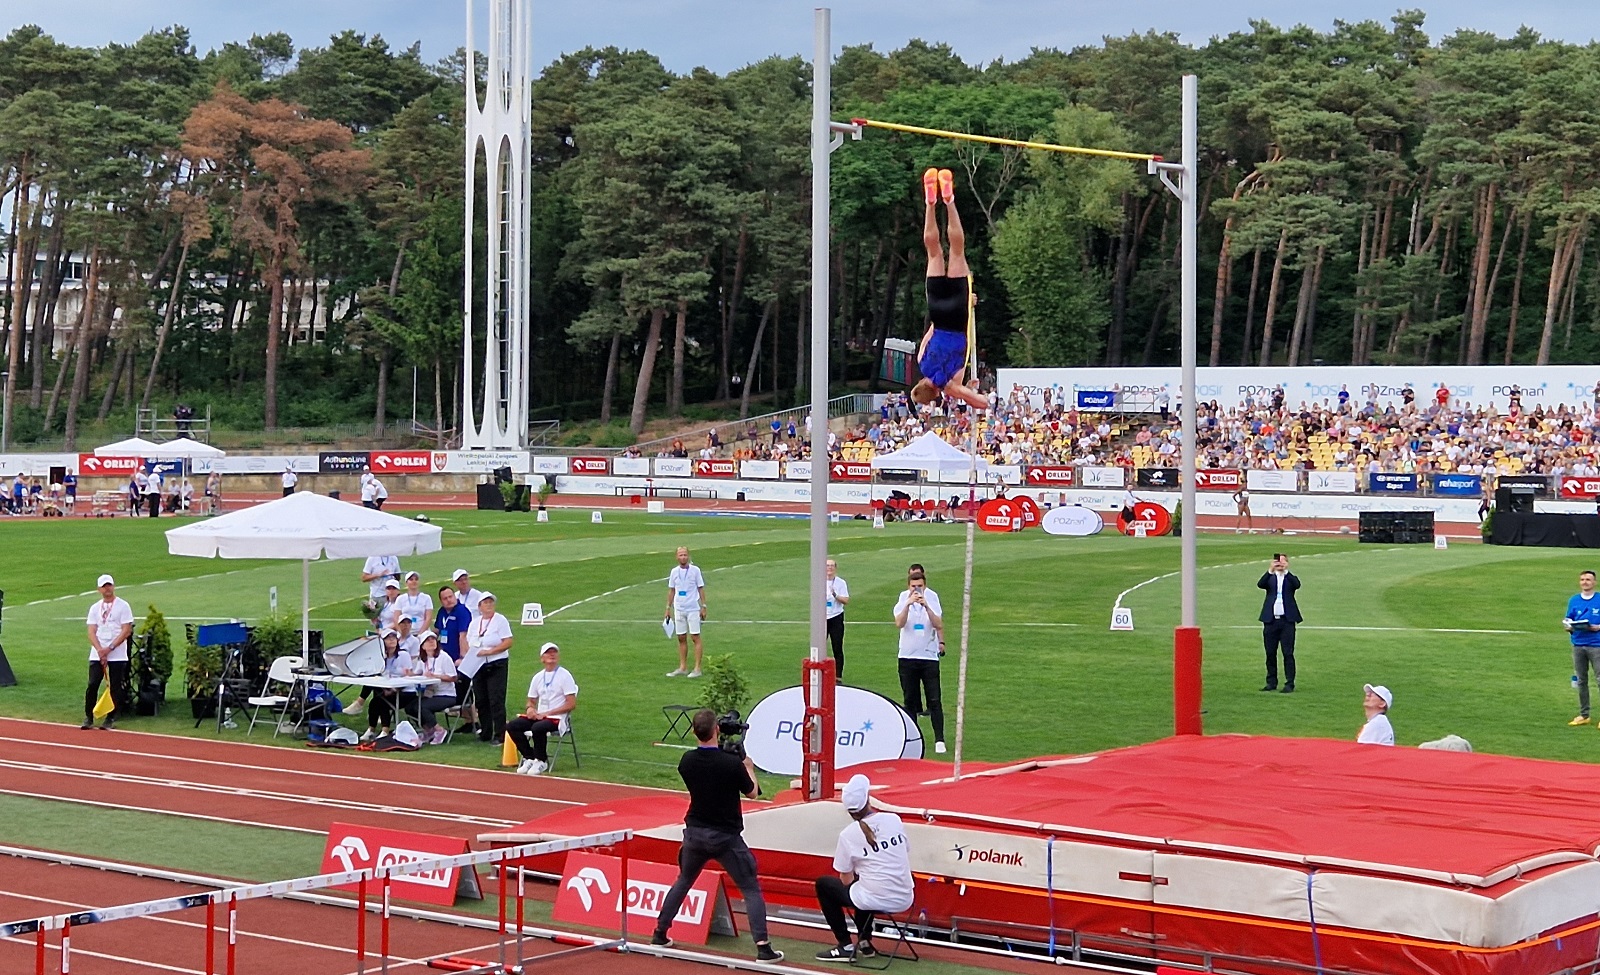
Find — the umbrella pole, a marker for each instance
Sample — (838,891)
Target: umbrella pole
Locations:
(305,610)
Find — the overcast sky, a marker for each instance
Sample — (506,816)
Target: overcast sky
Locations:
(726,34)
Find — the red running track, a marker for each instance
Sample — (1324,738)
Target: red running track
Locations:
(303,790)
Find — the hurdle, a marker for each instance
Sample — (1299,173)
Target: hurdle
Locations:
(228,899)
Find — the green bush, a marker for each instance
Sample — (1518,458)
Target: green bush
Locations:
(154,628)
(723,688)
(579,436)
(276,636)
(615,435)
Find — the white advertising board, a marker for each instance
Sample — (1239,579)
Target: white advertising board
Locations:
(1272,480)
(257,464)
(1101,477)
(1314,385)
(1331,482)
(797,470)
(631,466)
(38,465)
(481,461)
(868,727)
(1072,520)
(551,464)
(758,469)
(674,467)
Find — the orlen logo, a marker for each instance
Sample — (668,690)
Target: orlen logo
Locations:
(402,462)
(588,465)
(1216,479)
(644,899)
(393,856)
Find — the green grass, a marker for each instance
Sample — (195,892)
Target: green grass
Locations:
(1045,675)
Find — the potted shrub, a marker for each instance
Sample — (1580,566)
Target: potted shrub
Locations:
(514,495)
(546,489)
(723,688)
(202,668)
(157,640)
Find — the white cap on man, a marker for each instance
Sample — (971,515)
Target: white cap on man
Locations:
(486,597)
(1382,693)
(458,575)
(549,648)
(105,580)
(856,793)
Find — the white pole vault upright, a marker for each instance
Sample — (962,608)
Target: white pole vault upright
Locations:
(498,132)
(1186,646)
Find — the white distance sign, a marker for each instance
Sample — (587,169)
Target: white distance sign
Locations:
(868,727)
(1072,520)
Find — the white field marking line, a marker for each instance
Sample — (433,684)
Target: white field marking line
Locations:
(165,741)
(720,568)
(135,585)
(160,812)
(1230,565)
(343,804)
(243,932)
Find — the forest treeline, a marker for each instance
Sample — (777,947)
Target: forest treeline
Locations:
(1367,195)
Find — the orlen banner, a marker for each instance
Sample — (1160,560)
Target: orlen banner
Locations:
(352,847)
(589,465)
(91,466)
(846,470)
(591,893)
(1030,510)
(1152,518)
(1579,488)
(1229,386)
(1000,515)
(1038,476)
(401,462)
(1218,480)
(716,468)
(868,727)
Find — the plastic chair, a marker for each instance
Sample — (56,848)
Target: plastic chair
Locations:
(281,672)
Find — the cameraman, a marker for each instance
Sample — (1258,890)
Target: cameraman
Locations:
(712,830)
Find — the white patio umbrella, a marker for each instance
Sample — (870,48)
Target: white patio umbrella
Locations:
(304,526)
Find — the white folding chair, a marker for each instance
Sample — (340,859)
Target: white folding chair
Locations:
(281,672)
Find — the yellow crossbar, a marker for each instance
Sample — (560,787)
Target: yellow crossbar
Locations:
(993,140)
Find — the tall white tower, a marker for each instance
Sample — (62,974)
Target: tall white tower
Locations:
(498,132)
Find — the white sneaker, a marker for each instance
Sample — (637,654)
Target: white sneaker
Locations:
(369,734)
(526,768)
(355,707)
(938,748)
(695,672)
(677,673)
(539,768)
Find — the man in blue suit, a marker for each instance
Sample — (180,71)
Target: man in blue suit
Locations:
(1279,614)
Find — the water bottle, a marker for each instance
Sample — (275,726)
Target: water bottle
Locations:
(1574,681)
(922,924)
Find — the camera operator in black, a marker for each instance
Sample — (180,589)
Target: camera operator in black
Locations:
(712,830)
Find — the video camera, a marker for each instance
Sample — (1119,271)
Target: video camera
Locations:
(730,733)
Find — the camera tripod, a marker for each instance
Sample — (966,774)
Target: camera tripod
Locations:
(232,670)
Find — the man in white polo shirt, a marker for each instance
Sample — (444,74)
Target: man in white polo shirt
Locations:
(110,626)
(919,616)
(465,594)
(290,479)
(686,608)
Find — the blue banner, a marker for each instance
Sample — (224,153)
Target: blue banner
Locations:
(1096,399)
(166,468)
(1392,483)
(1457,485)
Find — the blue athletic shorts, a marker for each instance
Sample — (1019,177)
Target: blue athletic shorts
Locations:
(945,356)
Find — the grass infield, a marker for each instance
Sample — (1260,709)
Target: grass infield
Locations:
(1467,638)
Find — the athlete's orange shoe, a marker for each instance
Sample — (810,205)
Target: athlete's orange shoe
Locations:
(930,186)
(947,186)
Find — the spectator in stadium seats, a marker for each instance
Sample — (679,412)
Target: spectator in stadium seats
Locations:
(552,697)
(1279,616)
(873,861)
(1376,703)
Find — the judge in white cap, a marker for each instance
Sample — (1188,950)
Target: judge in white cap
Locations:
(873,860)
(1376,702)
(110,625)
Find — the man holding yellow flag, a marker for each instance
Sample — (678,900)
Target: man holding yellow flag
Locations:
(110,625)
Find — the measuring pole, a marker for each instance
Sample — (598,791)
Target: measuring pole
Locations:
(1186,645)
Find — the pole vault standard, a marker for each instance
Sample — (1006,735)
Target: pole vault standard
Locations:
(1180,179)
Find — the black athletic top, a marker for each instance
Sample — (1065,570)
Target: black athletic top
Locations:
(716,780)
(949,304)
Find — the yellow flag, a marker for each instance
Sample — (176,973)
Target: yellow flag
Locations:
(105,705)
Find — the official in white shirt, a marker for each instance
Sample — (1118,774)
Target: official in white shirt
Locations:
(552,696)
(376,571)
(290,479)
(415,605)
(686,608)
(873,861)
(110,622)
(838,597)
(465,594)
(1376,702)
(488,662)
(920,618)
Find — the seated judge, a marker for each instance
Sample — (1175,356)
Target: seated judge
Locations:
(873,860)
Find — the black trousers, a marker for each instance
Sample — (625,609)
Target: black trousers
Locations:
(836,637)
(833,896)
(153,502)
(119,686)
(382,708)
(919,678)
(1276,634)
(701,845)
(489,688)
(522,727)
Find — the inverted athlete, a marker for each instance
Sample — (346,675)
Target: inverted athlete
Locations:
(942,357)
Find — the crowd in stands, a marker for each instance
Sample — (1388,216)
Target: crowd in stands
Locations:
(1433,434)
